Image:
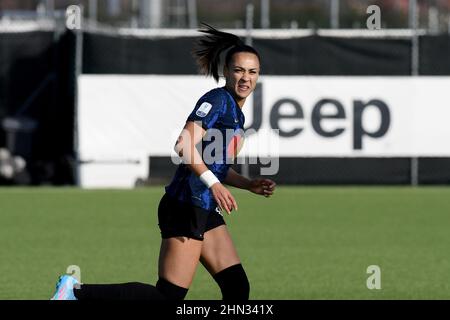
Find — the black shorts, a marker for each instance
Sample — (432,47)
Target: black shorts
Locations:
(179,219)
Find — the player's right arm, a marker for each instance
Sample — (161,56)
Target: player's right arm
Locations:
(189,137)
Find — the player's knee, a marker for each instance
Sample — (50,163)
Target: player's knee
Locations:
(233,283)
(171,291)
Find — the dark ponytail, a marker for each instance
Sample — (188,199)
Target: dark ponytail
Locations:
(208,49)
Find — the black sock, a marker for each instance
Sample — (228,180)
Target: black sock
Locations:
(164,290)
(122,291)
(233,283)
(171,291)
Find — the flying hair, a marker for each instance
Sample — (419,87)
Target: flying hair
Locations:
(209,48)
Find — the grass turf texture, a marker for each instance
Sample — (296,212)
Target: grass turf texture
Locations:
(303,243)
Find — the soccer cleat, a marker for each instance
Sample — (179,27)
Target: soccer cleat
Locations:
(64,288)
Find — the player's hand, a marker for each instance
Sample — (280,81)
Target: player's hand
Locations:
(264,187)
(223,197)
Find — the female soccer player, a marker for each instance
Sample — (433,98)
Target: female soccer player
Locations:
(190,212)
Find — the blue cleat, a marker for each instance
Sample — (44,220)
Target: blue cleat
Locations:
(64,288)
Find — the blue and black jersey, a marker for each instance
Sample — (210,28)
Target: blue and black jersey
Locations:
(218,113)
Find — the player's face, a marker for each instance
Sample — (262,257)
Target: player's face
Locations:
(241,75)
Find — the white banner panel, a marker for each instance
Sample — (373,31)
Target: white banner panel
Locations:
(124,119)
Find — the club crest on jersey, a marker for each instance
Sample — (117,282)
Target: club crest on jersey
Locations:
(203,110)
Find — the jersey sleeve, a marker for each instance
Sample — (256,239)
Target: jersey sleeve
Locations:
(207,110)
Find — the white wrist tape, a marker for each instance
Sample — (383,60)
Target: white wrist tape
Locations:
(208,178)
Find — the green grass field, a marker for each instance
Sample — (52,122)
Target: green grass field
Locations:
(304,243)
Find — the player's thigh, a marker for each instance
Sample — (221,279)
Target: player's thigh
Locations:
(178,260)
(218,251)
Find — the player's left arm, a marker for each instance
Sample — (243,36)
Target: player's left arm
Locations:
(264,187)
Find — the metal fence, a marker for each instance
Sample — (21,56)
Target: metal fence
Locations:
(433,15)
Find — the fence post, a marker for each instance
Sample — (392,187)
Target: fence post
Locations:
(249,23)
(192,10)
(265,14)
(414,72)
(78,65)
(334,14)
(245,169)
